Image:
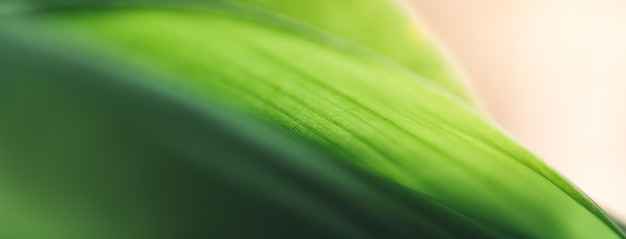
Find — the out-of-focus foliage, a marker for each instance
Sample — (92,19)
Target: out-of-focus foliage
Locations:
(136,119)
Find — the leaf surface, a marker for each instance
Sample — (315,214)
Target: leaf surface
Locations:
(381,118)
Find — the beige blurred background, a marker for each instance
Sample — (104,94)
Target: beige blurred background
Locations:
(552,73)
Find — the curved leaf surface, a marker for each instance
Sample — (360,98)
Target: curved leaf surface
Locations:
(360,108)
(96,154)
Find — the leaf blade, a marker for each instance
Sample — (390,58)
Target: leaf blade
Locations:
(427,126)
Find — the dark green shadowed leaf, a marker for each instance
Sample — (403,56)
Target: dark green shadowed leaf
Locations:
(355,106)
(93,154)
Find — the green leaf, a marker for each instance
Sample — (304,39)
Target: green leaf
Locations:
(365,111)
(95,154)
(381,26)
